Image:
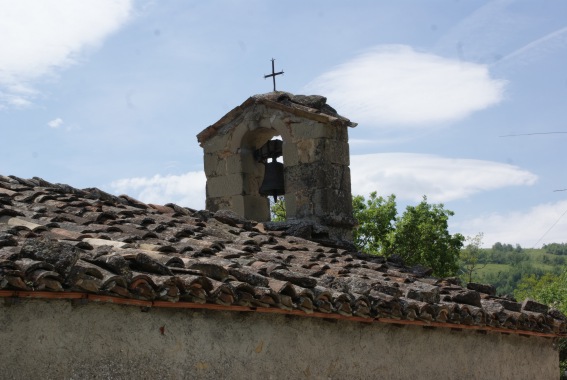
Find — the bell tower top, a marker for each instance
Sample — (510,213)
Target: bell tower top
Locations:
(315,152)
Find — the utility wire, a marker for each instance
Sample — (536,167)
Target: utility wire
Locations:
(550,228)
(565,212)
(530,134)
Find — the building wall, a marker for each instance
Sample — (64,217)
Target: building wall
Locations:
(60,340)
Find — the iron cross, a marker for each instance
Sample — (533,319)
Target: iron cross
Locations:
(273,74)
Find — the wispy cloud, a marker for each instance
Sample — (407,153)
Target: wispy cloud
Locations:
(408,175)
(38,38)
(15,95)
(498,33)
(481,35)
(554,41)
(396,85)
(55,123)
(411,175)
(544,223)
(185,189)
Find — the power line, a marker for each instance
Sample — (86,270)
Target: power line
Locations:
(531,134)
(550,228)
(542,133)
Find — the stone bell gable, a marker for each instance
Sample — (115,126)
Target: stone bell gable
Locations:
(315,157)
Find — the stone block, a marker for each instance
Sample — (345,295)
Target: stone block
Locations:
(214,166)
(332,176)
(252,183)
(315,150)
(346,181)
(335,151)
(531,305)
(482,288)
(290,205)
(233,164)
(282,126)
(327,206)
(290,154)
(231,184)
(468,297)
(423,292)
(246,157)
(219,203)
(238,134)
(303,204)
(211,162)
(296,178)
(251,207)
(237,205)
(338,233)
(306,151)
(341,133)
(217,143)
(304,130)
(332,203)
(319,175)
(257,208)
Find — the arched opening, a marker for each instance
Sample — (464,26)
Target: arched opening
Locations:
(256,159)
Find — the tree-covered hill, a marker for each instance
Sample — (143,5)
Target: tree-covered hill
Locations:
(504,265)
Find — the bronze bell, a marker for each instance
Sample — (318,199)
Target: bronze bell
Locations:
(273,183)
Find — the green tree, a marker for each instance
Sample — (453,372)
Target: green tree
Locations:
(375,218)
(506,281)
(422,237)
(419,236)
(499,247)
(550,289)
(556,248)
(277,210)
(472,257)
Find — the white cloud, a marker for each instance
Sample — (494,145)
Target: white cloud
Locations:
(544,223)
(55,123)
(408,175)
(185,190)
(395,84)
(411,175)
(39,37)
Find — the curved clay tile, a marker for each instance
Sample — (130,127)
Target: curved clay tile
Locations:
(56,240)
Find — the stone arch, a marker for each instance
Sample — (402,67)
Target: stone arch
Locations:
(315,154)
(256,206)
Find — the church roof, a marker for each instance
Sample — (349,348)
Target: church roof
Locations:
(57,241)
(313,107)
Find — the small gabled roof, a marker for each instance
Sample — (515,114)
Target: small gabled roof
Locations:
(312,107)
(60,242)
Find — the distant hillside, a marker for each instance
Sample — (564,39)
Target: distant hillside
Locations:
(504,265)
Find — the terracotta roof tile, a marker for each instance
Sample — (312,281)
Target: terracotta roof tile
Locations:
(55,239)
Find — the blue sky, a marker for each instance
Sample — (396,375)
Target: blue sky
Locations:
(111,94)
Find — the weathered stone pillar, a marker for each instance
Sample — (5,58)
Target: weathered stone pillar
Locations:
(315,155)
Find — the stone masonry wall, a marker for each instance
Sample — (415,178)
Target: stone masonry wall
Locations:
(316,173)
